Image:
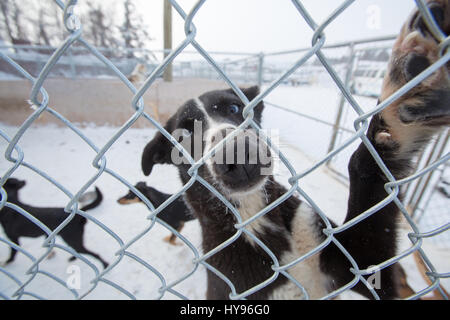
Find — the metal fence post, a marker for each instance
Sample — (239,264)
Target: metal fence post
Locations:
(167,12)
(342,101)
(437,151)
(73,69)
(260,69)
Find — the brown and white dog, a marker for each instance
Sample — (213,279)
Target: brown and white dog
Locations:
(292,229)
(138,74)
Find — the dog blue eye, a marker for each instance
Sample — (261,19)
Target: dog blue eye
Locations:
(234,108)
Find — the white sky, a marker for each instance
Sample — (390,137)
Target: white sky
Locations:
(274,25)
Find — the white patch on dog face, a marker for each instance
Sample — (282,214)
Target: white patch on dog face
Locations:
(211,123)
(214,130)
(248,202)
(201,106)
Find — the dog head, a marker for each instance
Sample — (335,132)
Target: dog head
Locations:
(13,185)
(131,197)
(242,163)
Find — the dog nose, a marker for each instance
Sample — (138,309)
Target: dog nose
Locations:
(236,170)
(240,162)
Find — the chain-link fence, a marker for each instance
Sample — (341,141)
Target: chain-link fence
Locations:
(364,81)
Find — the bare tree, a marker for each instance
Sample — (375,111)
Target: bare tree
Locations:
(12,21)
(100,28)
(40,22)
(126,26)
(5,7)
(17,20)
(133,30)
(44,38)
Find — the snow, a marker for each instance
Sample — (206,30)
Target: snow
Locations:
(68,159)
(71,166)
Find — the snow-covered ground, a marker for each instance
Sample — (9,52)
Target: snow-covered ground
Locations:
(67,158)
(71,166)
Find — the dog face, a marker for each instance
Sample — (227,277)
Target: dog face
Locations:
(199,125)
(131,197)
(13,184)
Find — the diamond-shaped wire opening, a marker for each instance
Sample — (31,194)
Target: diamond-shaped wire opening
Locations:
(100,160)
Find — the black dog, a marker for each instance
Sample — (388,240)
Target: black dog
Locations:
(292,229)
(175,214)
(16,225)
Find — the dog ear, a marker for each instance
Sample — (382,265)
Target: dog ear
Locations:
(14,183)
(158,150)
(251,94)
(141,184)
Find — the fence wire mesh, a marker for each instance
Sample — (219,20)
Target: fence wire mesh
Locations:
(39,97)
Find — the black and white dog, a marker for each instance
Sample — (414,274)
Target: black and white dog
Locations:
(292,229)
